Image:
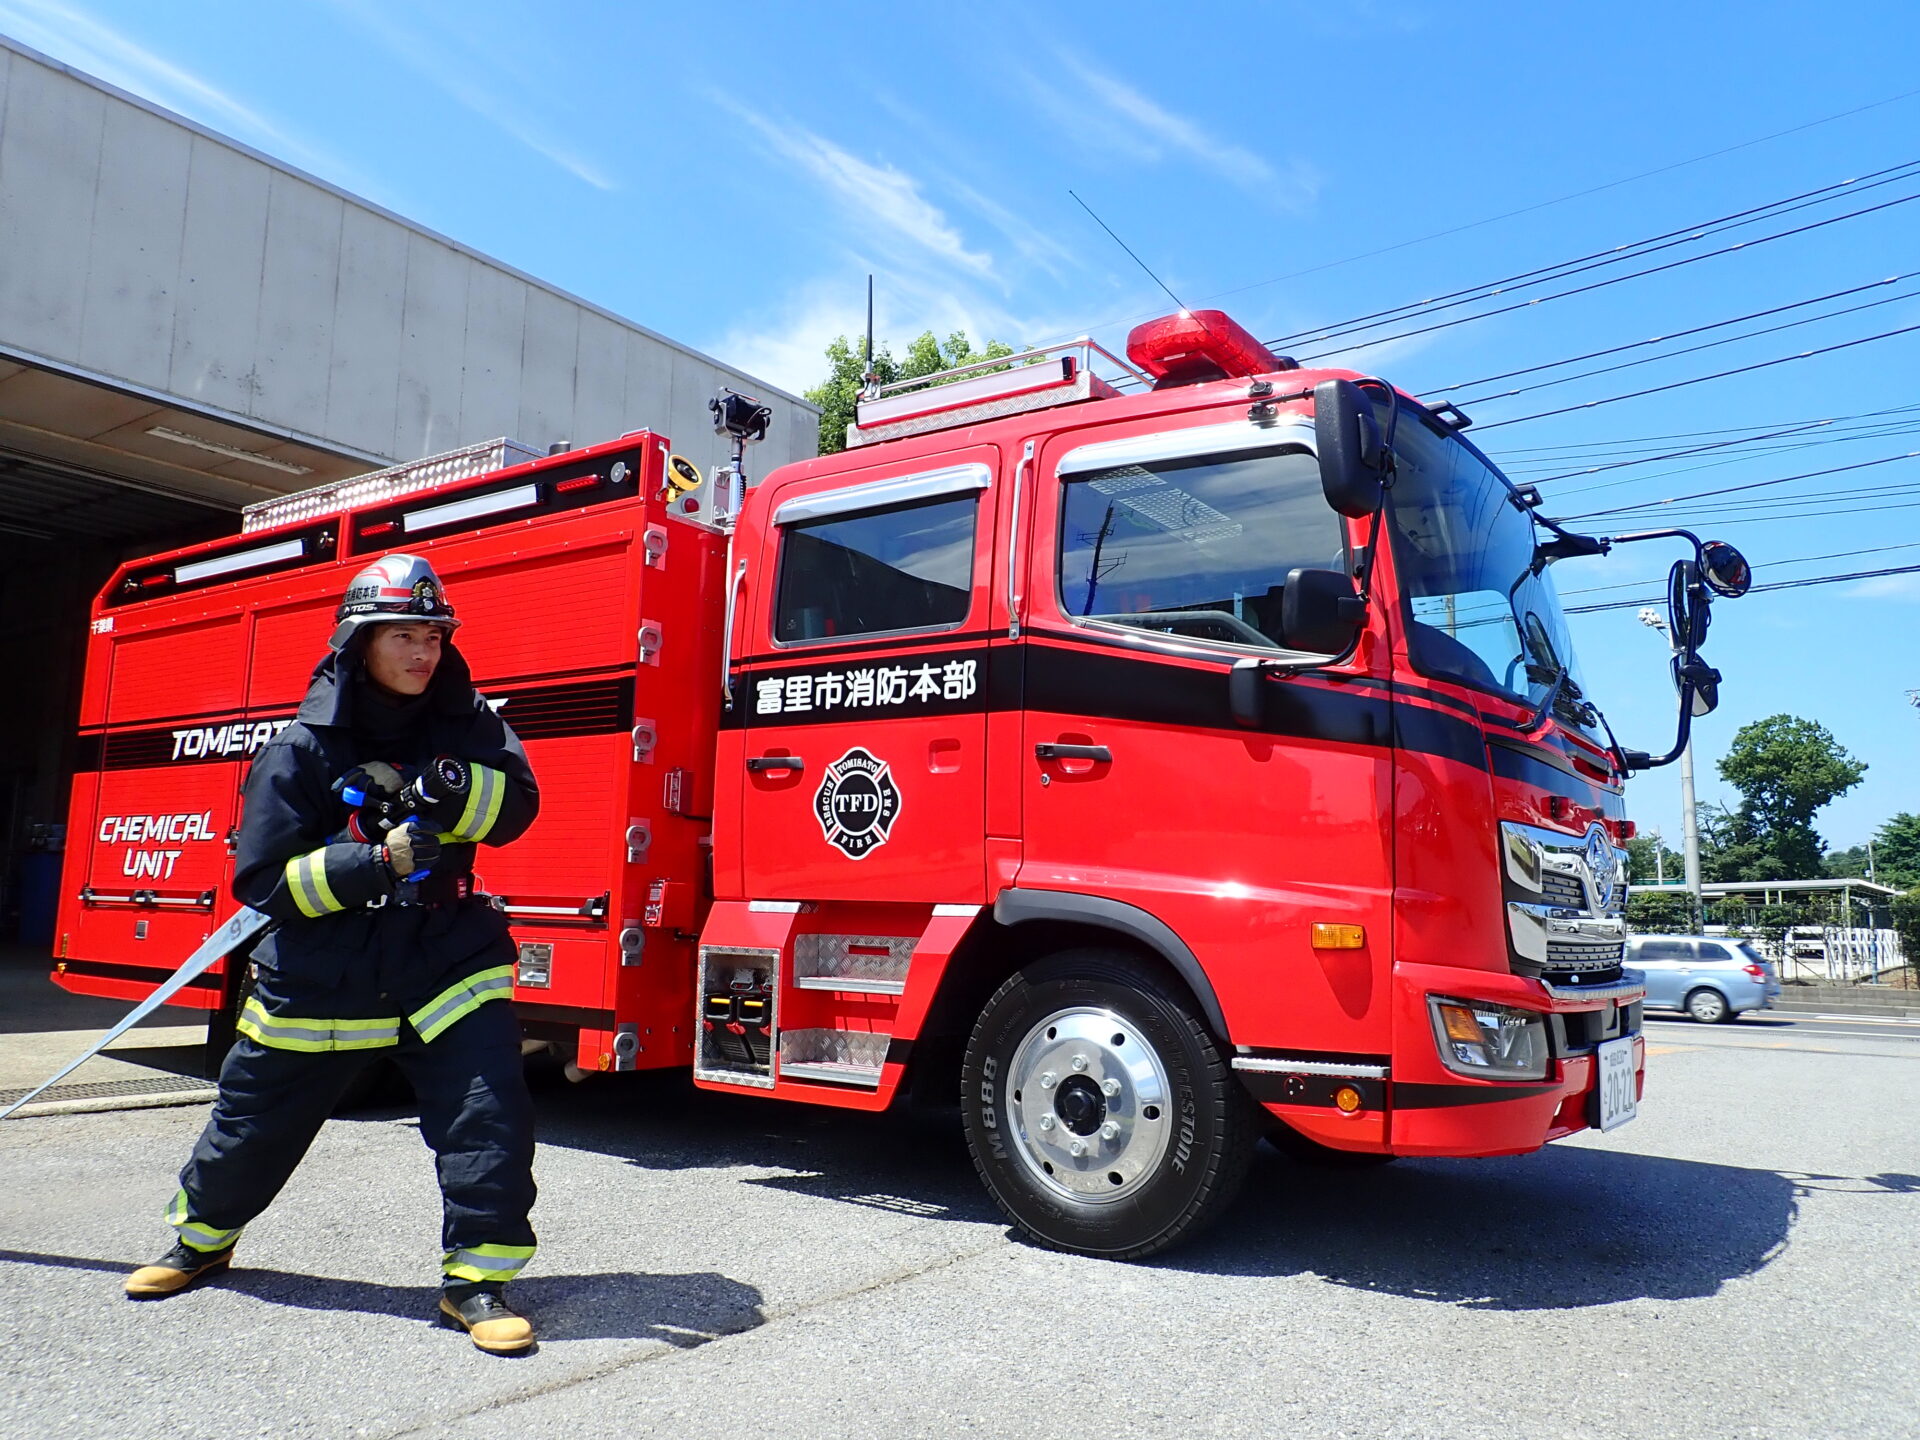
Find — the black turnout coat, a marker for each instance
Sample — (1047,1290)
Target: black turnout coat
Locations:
(340,951)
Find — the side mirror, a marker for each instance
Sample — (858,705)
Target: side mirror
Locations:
(1319,610)
(1725,569)
(1706,684)
(1244,693)
(1352,457)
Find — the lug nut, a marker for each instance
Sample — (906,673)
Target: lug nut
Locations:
(1109,1130)
(1047,1080)
(1046,1122)
(1077,1148)
(1079,1062)
(1110,1088)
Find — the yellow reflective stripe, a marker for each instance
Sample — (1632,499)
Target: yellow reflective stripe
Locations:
(307,879)
(193,1233)
(316,866)
(486,1262)
(286,1032)
(302,896)
(489,788)
(459,1000)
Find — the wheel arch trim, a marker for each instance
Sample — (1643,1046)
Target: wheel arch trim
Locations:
(1015,906)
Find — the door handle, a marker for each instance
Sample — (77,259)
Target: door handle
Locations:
(777,762)
(1052,750)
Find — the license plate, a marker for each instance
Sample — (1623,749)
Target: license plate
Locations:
(1618,1102)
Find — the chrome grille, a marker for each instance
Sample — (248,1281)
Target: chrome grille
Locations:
(1566,891)
(1583,955)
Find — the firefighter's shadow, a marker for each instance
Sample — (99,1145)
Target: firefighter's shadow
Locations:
(683,1310)
(1564,1228)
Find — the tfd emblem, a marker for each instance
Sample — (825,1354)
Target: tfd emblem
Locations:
(857,803)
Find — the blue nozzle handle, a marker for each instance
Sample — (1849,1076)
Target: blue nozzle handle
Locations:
(354,796)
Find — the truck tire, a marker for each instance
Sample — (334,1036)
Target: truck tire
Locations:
(1092,1050)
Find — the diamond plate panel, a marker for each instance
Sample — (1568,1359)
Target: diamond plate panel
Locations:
(858,958)
(859,1049)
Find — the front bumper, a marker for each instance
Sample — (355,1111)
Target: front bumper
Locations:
(1415,1105)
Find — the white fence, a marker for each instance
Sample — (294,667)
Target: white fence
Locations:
(1840,954)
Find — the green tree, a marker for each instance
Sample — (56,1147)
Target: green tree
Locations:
(840,391)
(1786,770)
(1896,851)
(1658,912)
(1848,864)
(1641,868)
(1906,924)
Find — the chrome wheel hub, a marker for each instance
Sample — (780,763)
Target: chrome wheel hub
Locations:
(1090,1105)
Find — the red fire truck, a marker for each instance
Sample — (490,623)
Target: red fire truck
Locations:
(1153,753)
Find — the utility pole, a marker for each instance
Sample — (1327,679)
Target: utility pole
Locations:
(1659,858)
(1652,619)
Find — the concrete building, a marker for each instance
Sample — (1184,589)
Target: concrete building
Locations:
(188,325)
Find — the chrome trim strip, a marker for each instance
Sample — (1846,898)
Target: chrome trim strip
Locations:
(850,499)
(1266,1065)
(1632,983)
(1186,444)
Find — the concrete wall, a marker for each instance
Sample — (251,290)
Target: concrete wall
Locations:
(148,252)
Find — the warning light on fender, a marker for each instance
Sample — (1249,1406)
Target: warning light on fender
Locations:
(1339,937)
(1346,1099)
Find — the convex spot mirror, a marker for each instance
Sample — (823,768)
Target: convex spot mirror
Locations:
(1725,569)
(1353,458)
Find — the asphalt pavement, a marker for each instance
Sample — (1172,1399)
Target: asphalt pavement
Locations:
(1739,1261)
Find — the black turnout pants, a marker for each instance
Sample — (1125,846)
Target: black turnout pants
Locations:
(475,1113)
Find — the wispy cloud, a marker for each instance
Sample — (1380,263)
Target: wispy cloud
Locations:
(72,35)
(870,194)
(1886,587)
(1124,119)
(454,58)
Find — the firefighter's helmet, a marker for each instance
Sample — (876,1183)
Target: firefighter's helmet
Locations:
(394,587)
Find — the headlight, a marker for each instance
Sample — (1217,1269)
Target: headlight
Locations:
(1494,1041)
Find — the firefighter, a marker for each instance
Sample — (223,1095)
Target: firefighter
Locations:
(358,837)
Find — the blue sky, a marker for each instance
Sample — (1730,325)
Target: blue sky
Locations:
(730,175)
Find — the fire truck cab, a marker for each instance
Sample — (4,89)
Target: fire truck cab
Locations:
(1152,770)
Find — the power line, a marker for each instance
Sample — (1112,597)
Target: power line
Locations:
(1689,349)
(1734,489)
(1661,339)
(1702,379)
(1612,281)
(1771,565)
(1599,259)
(1523,210)
(1696,434)
(1798,584)
(1799,437)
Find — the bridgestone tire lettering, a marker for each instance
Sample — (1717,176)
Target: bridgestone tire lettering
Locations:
(1215,1121)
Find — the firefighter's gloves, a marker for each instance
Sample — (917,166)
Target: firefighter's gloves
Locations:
(411,852)
(367,782)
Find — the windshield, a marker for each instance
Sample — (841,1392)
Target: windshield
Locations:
(1463,546)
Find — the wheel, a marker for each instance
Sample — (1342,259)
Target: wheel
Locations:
(1295,1146)
(1709,1007)
(1102,1116)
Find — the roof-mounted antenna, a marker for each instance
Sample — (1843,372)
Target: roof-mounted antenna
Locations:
(870,379)
(1137,260)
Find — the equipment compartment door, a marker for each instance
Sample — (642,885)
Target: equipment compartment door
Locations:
(860,683)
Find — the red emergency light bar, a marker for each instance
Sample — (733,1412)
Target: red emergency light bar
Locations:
(1196,345)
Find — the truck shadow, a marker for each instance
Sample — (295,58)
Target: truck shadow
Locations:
(1560,1229)
(1567,1227)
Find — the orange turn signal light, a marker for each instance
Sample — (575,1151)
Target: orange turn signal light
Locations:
(1339,937)
(1460,1025)
(1346,1099)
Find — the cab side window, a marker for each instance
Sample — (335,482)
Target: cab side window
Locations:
(907,567)
(1197,547)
